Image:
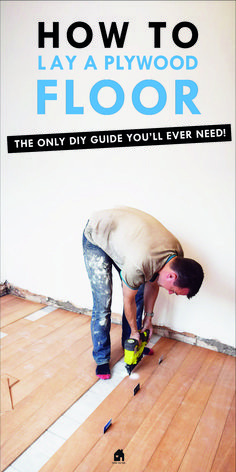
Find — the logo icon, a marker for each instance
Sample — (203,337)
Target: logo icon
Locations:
(119,456)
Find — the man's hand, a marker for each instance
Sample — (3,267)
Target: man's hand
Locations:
(135,335)
(150,294)
(147,324)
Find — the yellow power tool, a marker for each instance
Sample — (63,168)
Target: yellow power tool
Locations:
(134,351)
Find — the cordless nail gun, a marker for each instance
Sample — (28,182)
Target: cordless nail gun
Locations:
(134,351)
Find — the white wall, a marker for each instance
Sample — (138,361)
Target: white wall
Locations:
(48,196)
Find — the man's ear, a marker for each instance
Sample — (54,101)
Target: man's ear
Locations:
(171,276)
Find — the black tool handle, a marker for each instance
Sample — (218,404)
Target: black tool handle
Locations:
(130,344)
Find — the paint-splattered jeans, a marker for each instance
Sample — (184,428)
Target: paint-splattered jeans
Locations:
(99,268)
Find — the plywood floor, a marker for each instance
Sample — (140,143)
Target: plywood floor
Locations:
(182,418)
(46,365)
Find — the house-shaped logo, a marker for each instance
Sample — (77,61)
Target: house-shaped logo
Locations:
(119,455)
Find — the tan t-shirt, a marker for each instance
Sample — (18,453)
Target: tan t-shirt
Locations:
(138,243)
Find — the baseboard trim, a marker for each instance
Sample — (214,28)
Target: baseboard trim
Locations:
(190,338)
(163,331)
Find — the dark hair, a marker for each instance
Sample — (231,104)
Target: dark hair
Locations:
(189,274)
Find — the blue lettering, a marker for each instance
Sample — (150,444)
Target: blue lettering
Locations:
(70,109)
(108,60)
(42,96)
(182,98)
(181,62)
(144,62)
(90,63)
(137,92)
(157,65)
(56,63)
(40,66)
(129,60)
(195,62)
(119,97)
(70,60)
(118,66)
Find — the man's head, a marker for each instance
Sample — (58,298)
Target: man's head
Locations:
(181,276)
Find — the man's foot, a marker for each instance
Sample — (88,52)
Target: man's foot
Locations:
(148,351)
(103,371)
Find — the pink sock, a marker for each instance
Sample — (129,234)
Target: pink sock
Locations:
(103,371)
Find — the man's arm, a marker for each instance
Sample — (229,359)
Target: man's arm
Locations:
(130,310)
(151,290)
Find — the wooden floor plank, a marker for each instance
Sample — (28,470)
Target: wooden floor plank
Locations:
(158,419)
(49,362)
(127,423)
(24,328)
(169,452)
(54,345)
(13,330)
(91,431)
(28,333)
(142,422)
(14,308)
(184,410)
(204,444)
(34,414)
(141,408)
(26,349)
(224,460)
(23,335)
(67,369)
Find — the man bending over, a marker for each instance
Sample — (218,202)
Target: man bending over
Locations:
(147,256)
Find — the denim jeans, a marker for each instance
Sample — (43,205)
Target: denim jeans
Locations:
(99,268)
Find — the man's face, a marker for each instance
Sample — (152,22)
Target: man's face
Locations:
(167,281)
